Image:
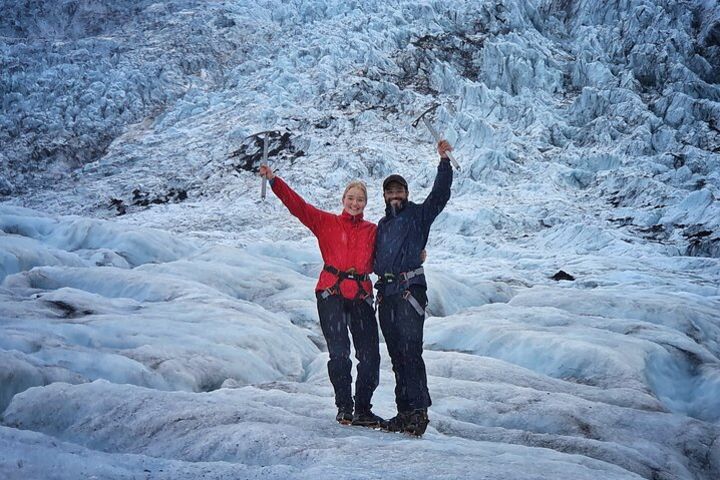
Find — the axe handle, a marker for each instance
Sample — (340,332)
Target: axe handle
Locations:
(437,138)
(263,185)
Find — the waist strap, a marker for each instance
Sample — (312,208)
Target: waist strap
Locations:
(402,277)
(347,275)
(341,275)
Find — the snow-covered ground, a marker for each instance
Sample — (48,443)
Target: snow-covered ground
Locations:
(157,318)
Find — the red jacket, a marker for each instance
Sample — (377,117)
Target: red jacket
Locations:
(345,241)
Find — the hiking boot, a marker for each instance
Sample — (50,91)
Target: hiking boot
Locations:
(366,418)
(396,423)
(344,416)
(417,422)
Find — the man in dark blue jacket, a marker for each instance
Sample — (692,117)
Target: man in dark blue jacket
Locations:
(401,237)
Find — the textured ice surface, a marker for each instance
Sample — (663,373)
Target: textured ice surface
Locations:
(157,318)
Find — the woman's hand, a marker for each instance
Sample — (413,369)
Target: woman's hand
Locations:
(266,172)
(443,148)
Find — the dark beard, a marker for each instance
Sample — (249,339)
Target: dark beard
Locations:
(392,209)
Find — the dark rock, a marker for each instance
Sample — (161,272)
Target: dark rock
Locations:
(562,275)
(6,188)
(67,310)
(615,199)
(679,160)
(701,242)
(224,22)
(325,122)
(144,199)
(119,205)
(181,195)
(280,147)
(621,221)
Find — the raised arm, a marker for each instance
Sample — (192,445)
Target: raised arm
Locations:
(440,193)
(309,215)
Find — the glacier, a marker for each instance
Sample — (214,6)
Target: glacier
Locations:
(157,317)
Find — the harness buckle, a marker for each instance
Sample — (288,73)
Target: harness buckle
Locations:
(406,276)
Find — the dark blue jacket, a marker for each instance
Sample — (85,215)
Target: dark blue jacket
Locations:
(403,234)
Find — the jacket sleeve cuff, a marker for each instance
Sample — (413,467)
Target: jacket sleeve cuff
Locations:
(444,164)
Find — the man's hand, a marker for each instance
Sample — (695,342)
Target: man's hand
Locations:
(423,256)
(443,148)
(266,172)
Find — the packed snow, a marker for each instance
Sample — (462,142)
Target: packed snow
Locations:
(157,318)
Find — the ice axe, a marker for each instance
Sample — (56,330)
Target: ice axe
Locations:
(263,162)
(435,134)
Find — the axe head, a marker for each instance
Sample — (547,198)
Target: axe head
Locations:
(266,132)
(426,112)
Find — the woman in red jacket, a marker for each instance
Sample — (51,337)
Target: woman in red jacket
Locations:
(344,294)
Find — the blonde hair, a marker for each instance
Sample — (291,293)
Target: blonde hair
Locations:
(356,184)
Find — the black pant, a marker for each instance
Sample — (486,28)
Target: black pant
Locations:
(337,314)
(402,327)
